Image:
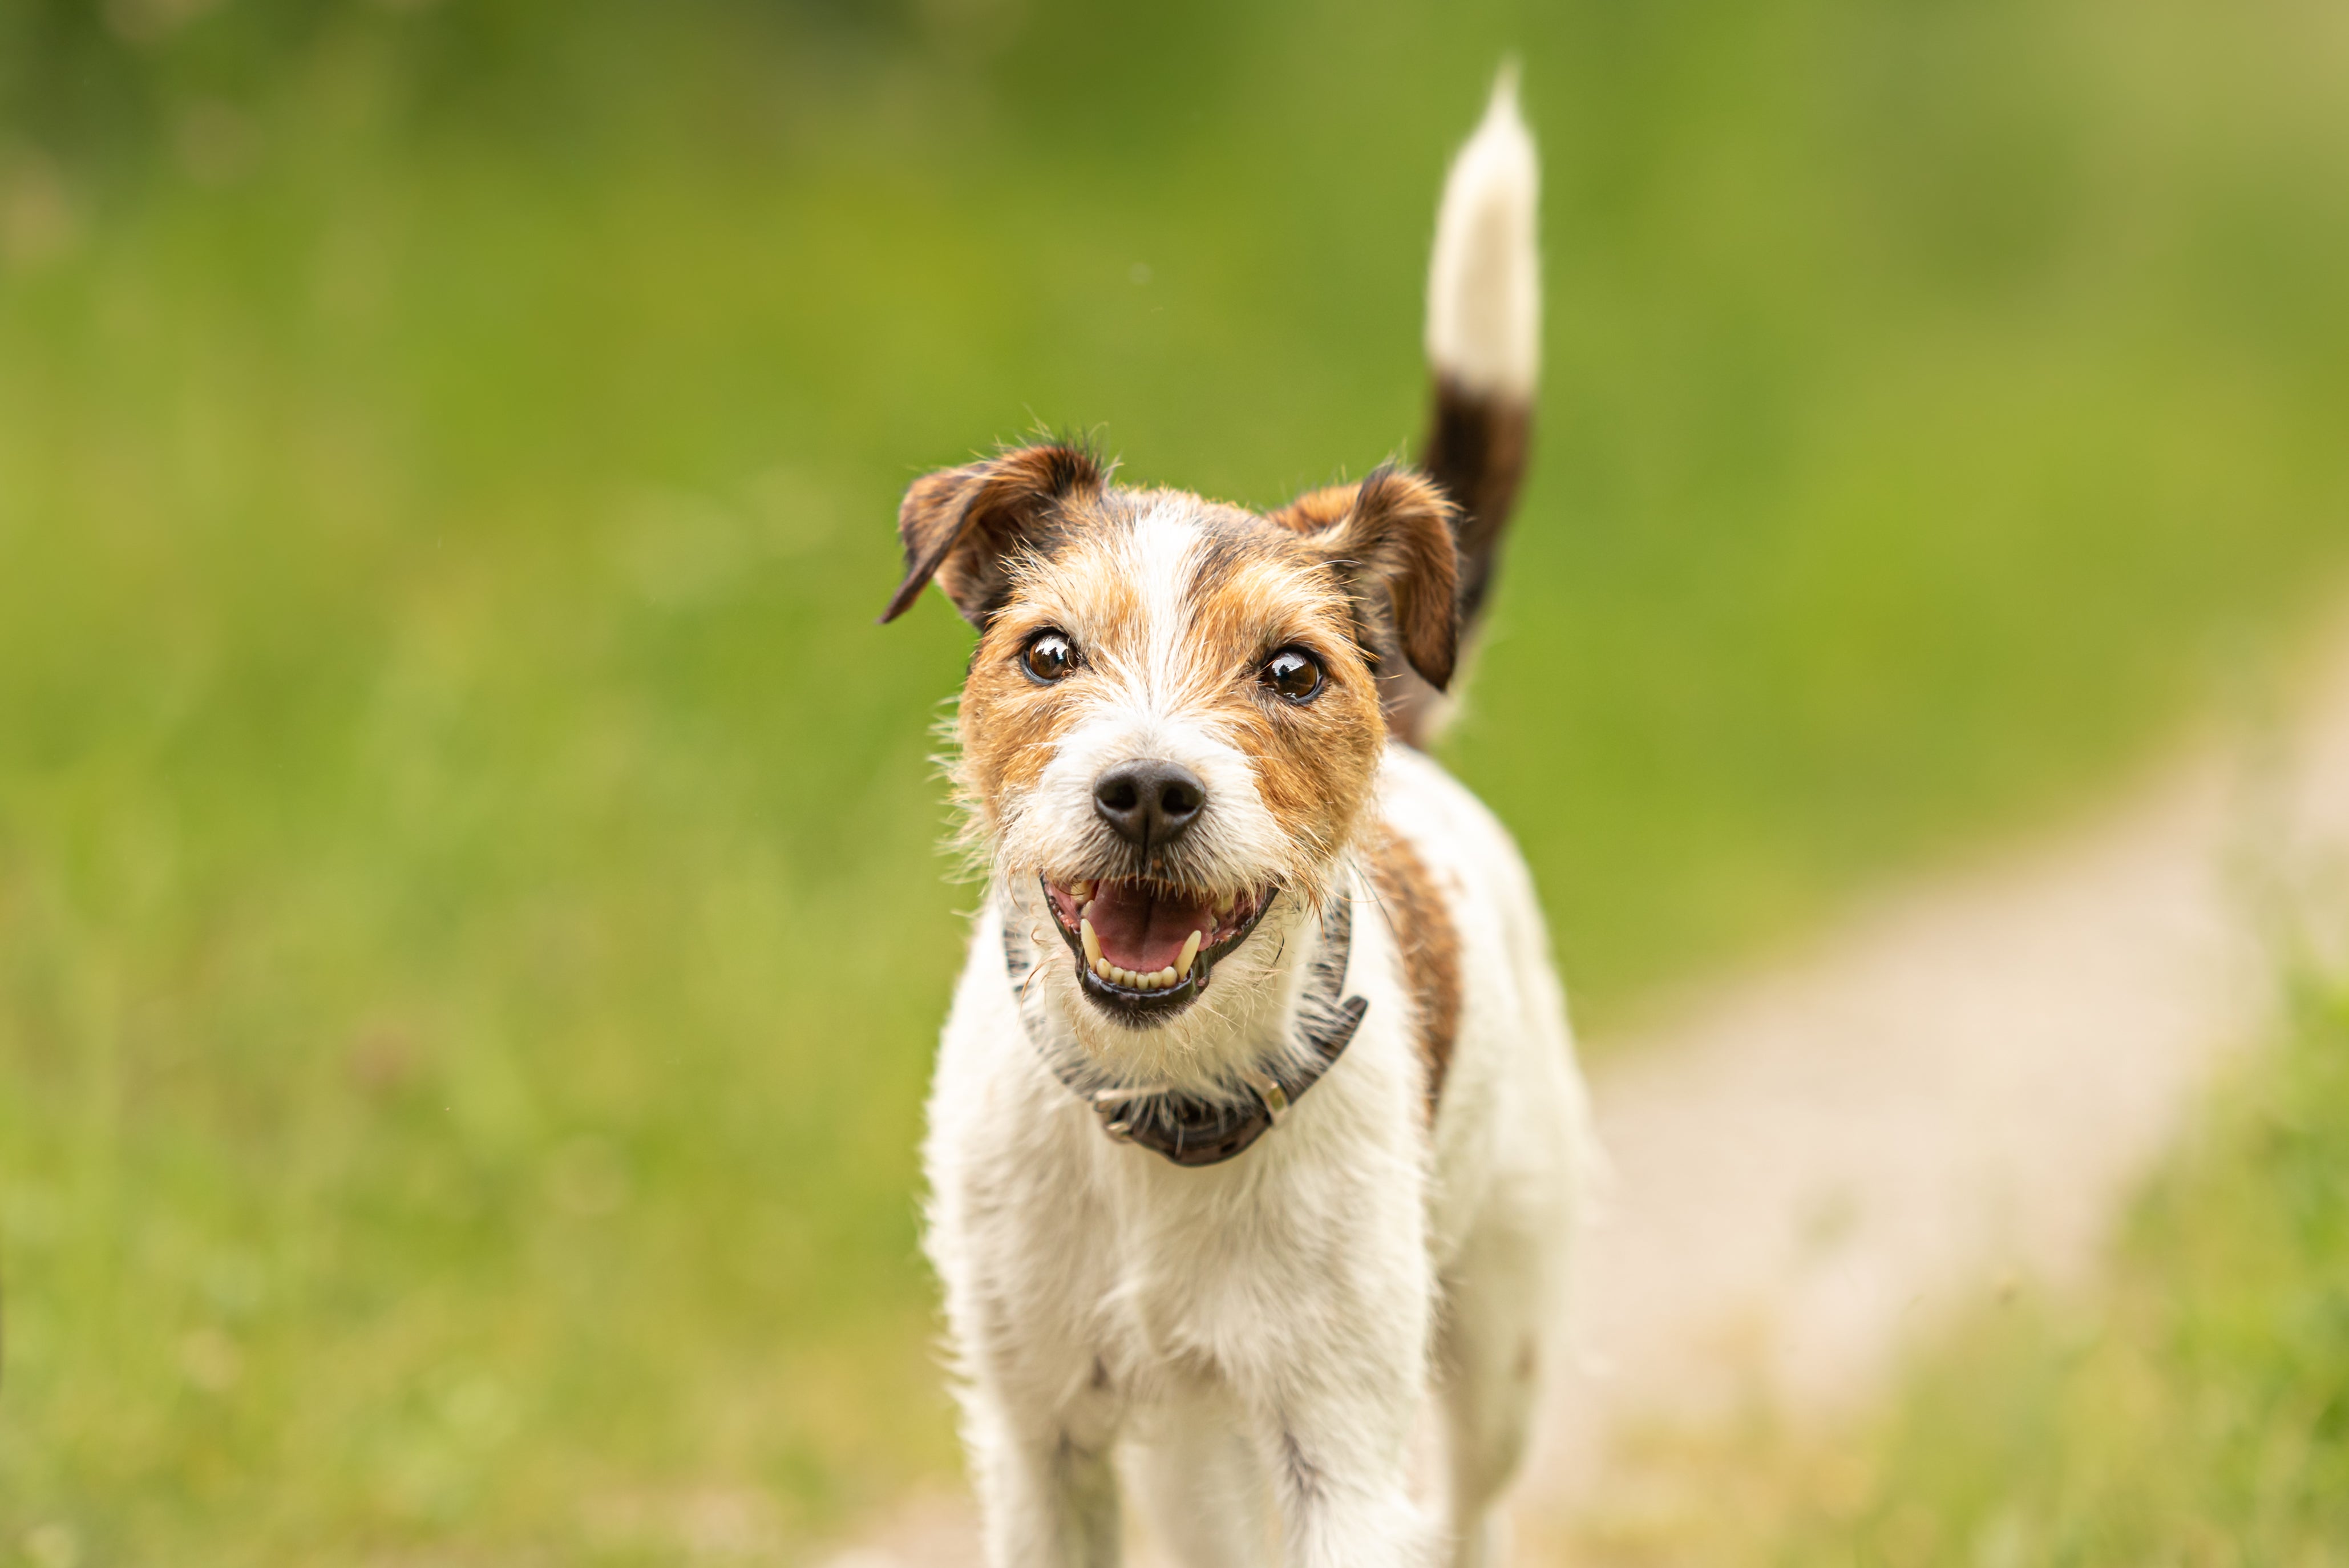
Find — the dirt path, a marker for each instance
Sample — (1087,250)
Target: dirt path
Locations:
(1814,1164)
(1957,1090)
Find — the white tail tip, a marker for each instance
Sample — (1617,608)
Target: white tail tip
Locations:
(1483,287)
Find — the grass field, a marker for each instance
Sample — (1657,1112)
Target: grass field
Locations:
(471,927)
(2192,1410)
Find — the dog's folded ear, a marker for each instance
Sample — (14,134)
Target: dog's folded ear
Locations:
(1394,534)
(963,525)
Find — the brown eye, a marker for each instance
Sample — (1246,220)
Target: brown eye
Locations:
(1048,656)
(1294,674)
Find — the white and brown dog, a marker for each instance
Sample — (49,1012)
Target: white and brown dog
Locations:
(1256,1117)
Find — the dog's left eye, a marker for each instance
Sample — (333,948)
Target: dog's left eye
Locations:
(1294,675)
(1048,656)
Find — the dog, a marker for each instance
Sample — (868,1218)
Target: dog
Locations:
(1256,1129)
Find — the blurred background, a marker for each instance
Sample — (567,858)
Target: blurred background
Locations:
(472,927)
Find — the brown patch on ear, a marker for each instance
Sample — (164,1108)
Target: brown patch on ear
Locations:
(962,525)
(1392,532)
(1316,509)
(1423,930)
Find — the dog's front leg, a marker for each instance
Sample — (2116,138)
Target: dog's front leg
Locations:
(1046,1499)
(1340,1469)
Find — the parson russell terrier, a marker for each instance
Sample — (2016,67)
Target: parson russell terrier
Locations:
(1257,1121)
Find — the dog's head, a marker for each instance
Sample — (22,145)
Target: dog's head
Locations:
(1171,724)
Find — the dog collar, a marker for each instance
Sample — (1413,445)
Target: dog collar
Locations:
(1193,1130)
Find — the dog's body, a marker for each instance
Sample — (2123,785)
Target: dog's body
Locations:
(1176,754)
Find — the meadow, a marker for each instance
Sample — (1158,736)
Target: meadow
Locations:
(472,921)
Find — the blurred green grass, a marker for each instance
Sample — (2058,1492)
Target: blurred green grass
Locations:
(2193,1409)
(471,923)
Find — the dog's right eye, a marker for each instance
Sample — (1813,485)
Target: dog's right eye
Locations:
(1294,674)
(1048,656)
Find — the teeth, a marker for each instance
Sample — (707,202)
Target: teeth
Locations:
(1082,892)
(1224,904)
(1086,912)
(1158,979)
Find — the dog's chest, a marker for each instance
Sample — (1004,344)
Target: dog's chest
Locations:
(1244,1305)
(1107,1262)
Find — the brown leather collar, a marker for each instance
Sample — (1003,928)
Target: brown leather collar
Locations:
(1192,1129)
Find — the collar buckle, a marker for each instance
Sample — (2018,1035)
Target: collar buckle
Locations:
(1266,1089)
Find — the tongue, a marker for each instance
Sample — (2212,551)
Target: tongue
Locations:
(1143,930)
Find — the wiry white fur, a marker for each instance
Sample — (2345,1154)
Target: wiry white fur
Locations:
(1259,1335)
(1484,285)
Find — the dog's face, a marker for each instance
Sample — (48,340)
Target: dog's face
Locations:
(1171,724)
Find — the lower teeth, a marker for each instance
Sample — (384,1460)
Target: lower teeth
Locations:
(1159,979)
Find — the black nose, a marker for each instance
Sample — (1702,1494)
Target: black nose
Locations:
(1150,804)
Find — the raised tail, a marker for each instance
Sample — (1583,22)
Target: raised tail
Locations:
(1484,347)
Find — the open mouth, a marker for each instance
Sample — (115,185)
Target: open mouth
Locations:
(1144,948)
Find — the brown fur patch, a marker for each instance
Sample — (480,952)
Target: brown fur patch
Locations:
(1007,724)
(965,525)
(1398,529)
(1398,540)
(1429,941)
(1251,590)
(1314,764)
(1317,509)
(1476,449)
